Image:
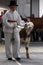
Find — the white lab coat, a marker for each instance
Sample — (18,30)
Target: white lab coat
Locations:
(8,30)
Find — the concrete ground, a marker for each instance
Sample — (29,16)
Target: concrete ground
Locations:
(36,56)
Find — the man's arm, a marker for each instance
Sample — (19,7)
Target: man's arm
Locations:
(6,23)
(20,21)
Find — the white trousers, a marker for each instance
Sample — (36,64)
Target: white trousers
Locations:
(15,46)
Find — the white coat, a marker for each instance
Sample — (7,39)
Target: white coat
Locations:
(8,30)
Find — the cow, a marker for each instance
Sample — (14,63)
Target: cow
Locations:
(25,36)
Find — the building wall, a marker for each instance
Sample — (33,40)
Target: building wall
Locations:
(24,8)
(35,8)
(40,8)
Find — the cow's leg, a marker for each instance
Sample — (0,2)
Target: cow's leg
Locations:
(27,54)
(27,41)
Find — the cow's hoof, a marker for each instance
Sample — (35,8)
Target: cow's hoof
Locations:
(27,55)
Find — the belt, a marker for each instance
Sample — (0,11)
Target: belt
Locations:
(12,21)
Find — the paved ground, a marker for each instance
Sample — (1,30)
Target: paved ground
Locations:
(36,56)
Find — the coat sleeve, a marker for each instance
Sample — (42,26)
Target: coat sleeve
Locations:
(20,22)
(6,23)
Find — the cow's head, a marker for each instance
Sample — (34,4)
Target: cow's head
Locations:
(28,27)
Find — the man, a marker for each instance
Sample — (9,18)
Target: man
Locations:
(10,21)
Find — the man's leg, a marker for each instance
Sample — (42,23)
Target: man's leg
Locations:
(8,45)
(16,45)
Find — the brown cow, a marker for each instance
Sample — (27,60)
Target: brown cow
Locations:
(25,36)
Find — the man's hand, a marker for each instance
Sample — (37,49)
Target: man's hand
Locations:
(15,26)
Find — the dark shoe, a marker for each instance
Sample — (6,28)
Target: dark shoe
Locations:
(18,59)
(9,58)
